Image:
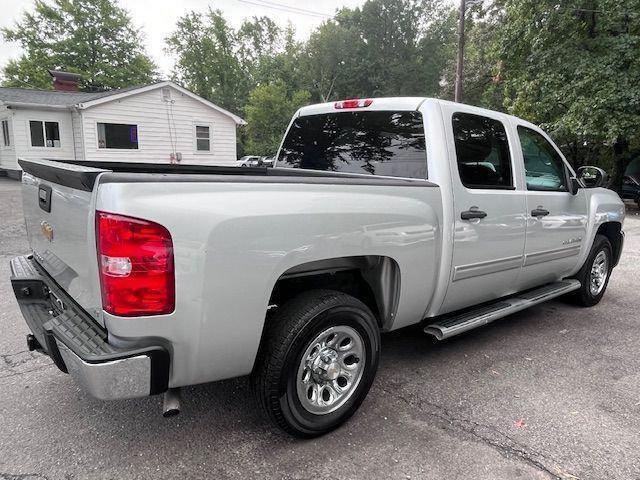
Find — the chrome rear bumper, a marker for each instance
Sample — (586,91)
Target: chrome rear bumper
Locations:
(111,380)
(78,345)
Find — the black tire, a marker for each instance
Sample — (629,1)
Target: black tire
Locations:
(289,333)
(583,296)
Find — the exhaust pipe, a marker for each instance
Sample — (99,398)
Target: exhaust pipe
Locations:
(171,403)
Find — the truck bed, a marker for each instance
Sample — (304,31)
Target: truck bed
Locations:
(82,174)
(261,224)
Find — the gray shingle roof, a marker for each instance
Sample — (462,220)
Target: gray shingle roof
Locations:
(52,98)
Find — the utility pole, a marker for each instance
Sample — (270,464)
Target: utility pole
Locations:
(457,96)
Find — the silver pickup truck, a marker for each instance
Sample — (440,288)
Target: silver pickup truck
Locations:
(379,214)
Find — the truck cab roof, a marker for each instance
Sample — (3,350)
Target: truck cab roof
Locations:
(399,104)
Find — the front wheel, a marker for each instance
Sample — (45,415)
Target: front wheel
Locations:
(318,360)
(594,274)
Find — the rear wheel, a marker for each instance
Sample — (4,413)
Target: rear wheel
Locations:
(594,274)
(317,363)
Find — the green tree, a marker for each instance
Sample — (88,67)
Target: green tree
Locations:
(285,64)
(258,38)
(573,66)
(331,65)
(268,113)
(207,59)
(482,73)
(384,48)
(437,50)
(390,32)
(94,38)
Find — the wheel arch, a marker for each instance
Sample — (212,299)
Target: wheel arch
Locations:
(373,279)
(613,232)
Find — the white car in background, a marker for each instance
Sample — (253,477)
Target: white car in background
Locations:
(248,161)
(256,161)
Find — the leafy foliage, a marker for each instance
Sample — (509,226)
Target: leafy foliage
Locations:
(384,48)
(207,59)
(94,38)
(268,112)
(571,66)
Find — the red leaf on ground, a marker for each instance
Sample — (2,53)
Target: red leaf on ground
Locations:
(519,423)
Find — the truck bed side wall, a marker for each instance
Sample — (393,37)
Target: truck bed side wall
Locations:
(233,241)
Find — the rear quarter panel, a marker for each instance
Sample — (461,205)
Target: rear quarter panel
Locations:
(232,241)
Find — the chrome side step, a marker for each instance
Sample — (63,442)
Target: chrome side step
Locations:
(456,323)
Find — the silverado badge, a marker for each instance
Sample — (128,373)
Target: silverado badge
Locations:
(47,230)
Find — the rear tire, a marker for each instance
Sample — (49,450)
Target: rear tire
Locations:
(318,359)
(594,274)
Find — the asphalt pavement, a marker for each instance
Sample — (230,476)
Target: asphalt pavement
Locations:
(550,392)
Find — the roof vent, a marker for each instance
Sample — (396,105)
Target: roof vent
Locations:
(166,94)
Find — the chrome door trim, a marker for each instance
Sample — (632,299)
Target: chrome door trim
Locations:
(549,255)
(484,268)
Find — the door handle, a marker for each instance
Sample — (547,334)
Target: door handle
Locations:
(471,214)
(539,212)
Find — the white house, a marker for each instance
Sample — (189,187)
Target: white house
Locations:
(157,123)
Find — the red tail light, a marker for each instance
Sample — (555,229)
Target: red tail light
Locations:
(135,259)
(355,103)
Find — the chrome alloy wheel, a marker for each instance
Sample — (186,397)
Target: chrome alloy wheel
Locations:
(330,369)
(599,272)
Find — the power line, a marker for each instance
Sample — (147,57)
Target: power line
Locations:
(291,7)
(285,8)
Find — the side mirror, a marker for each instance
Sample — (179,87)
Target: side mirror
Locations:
(592,177)
(574,185)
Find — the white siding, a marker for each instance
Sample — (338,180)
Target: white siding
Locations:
(156,119)
(7,154)
(22,135)
(78,137)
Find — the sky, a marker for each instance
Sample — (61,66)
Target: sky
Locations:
(157,18)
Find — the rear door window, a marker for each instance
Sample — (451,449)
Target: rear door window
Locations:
(374,142)
(482,152)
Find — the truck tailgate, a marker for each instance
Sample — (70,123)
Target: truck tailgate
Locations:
(59,215)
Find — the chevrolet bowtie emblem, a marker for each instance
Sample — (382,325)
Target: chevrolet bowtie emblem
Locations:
(47,230)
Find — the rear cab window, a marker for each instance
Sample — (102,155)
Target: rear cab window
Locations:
(387,143)
(482,152)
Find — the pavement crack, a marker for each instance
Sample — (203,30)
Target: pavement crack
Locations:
(16,359)
(23,372)
(488,435)
(8,357)
(19,363)
(22,476)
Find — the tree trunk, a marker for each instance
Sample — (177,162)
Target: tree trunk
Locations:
(621,160)
(457,95)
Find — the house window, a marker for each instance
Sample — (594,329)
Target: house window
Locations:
(203,139)
(118,135)
(5,133)
(44,134)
